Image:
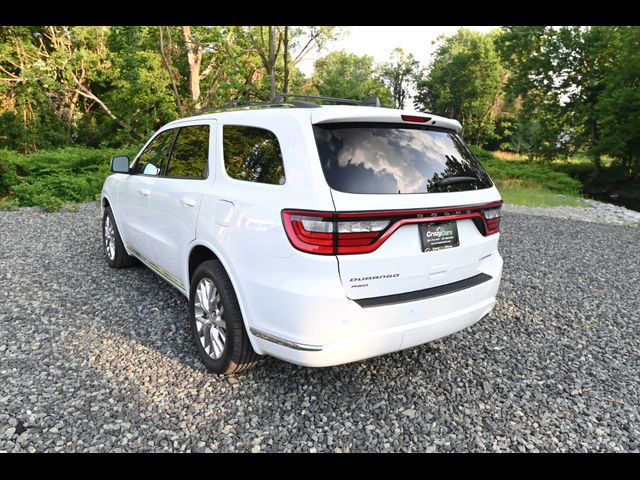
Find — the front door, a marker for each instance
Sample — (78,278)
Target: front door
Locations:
(133,194)
(175,200)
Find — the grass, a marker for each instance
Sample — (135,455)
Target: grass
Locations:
(589,324)
(529,183)
(614,183)
(509,156)
(532,196)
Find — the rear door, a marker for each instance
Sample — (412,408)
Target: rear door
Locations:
(421,190)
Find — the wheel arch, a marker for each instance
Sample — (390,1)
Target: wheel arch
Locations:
(105,202)
(201,251)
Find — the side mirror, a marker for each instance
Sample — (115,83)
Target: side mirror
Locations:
(120,164)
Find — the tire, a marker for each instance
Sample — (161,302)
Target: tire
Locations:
(219,334)
(114,251)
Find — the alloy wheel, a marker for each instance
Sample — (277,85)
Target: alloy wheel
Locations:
(109,238)
(209,316)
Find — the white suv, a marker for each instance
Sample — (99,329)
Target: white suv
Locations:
(316,234)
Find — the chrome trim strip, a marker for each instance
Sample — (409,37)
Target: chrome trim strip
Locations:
(157,268)
(285,343)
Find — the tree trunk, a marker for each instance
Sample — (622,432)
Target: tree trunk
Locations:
(72,109)
(484,117)
(595,137)
(272,60)
(398,91)
(597,164)
(285,87)
(194,55)
(169,66)
(268,50)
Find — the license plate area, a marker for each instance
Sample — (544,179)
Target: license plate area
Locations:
(438,235)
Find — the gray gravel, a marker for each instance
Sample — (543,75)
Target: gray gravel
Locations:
(591,211)
(95,359)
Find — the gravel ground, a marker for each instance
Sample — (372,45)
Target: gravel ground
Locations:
(592,211)
(95,359)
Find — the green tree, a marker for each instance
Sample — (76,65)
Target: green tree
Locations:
(464,81)
(97,85)
(299,41)
(29,117)
(346,75)
(136,85)
(560,74)
(281,48)
(399,75)
(618,108)
(199,61)
(64,84)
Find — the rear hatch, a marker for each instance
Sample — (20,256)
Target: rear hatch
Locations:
(415,209)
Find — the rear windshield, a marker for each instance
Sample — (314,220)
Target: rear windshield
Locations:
(387,158)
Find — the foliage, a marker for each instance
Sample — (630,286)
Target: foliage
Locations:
(109,86)
(9,170)
(293,42)
(400,75)
(523,182)
(464,82)
(51,178)
(528,173)
(618,107)
(346,75)
(7,204)
(548,92)
(561,75)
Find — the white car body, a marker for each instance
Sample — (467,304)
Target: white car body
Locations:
(298,306)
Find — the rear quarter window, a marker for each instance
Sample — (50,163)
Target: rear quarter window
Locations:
(252,154)
(396,159)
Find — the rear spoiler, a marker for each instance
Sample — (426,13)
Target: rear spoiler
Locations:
(339,114)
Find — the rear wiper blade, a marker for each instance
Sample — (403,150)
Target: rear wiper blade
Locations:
(453,180)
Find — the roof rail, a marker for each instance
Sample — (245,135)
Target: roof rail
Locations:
(367,102)
(242,105)
(248,103)
(279,102)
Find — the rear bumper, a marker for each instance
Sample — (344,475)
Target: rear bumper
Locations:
(319,327)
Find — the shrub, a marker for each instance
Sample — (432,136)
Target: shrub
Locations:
(71,159)
(8,204)
(47,202)
(8,170)
(52,178)
(529,172)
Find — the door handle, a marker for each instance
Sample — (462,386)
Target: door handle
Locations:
(188,202)
(144,191)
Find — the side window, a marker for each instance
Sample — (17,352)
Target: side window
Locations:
(154,158)
(252,154)
(190,153)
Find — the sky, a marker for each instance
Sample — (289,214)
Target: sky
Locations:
(379,42)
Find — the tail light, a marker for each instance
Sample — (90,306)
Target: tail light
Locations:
(327,233)
(492,220)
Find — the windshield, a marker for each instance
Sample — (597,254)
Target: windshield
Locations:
(392,158)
